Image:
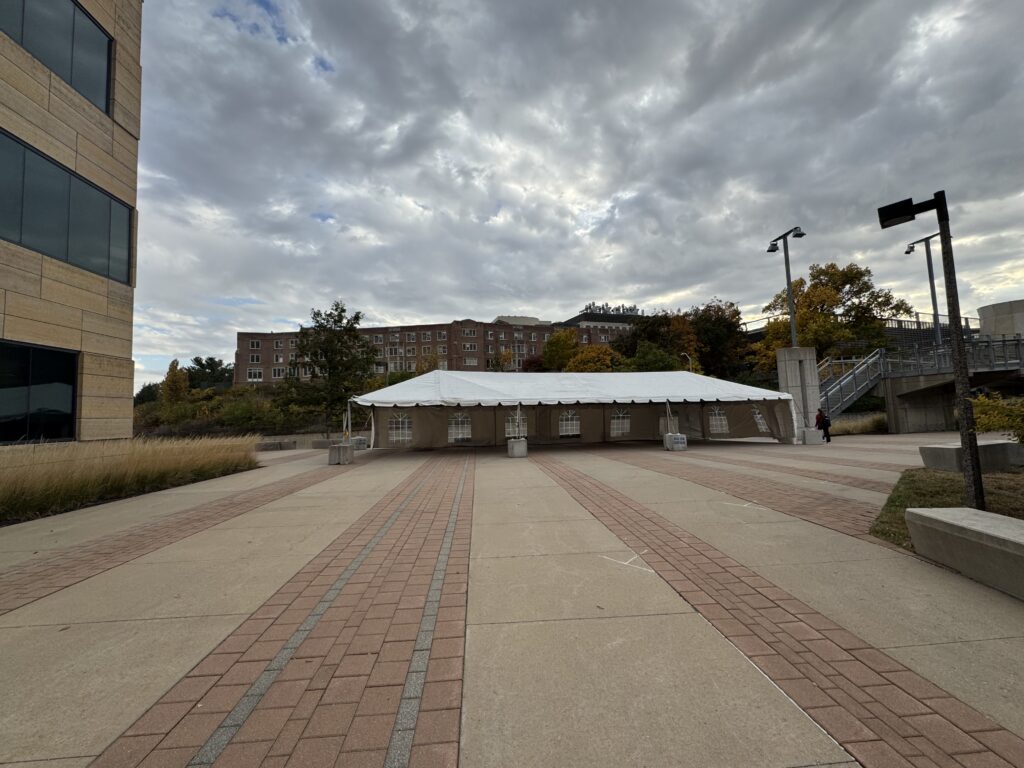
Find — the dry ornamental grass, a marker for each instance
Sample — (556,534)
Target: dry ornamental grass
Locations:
(50,478)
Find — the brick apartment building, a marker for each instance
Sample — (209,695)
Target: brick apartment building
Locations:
(70,90)
(461,345)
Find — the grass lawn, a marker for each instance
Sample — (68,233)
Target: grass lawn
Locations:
(1004,495)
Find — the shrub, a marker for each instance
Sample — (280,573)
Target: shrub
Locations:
(861,424)
(996,414)
(48,478)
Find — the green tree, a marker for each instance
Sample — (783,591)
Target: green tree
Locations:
(339,358)
(533,364)
(651,357)
(996,414)
(672,333)
(722,345)
(148,393)
(209,372)
(595,359)
(837,309)
(560,349)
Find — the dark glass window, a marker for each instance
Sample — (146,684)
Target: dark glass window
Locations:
(120,242)
(45,217)
(12,167)
(51,210)
(90,60)
(10,18)
(14,378)
(62,36)
(49,32)
(89,231)
(51,395)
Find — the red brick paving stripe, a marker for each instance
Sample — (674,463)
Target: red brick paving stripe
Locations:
(27,582)
(341,690)
(834,512)
(881,712)
(880,486)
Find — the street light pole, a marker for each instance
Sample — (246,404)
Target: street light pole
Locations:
(773,247)
(931,281)
(789,293)
(688,359)
(899,213)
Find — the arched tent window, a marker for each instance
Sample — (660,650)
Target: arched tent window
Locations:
(717,423)
(512,428)
(569,424)
(762,425)
(400,428)
(459,428)
(620,422)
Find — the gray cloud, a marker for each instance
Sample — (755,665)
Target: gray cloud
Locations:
(430,159)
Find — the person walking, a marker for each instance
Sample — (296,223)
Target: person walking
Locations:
(824,423)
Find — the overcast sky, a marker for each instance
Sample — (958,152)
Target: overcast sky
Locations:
(425,160)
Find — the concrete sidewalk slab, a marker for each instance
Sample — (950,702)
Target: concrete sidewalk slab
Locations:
(718,512)
(652,691)
(69,689)
(567,587)
(557,537)
(537,510)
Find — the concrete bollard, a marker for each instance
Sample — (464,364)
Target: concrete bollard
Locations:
(675,441)
(339,453)
(517,448)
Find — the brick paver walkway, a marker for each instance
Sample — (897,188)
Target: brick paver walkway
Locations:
(27,582)
(355,661)
(835,512)
(882,713)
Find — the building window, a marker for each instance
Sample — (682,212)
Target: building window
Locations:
(254,358)
(378,338)
(471,361)
(254,374)
(469,346)
(533,337)
(292,343)
(762,425)
(410,336)
(620,422)
(278,358)
(442,365)
(396,366)
(442,350)
(490,349)
(410,351)
(547,336)
(307,371)
(395,337)
(585,340)
(501,335)
(717,423)
(37,393)
(459,428)
(518,335)
(62,36)
(410,365)
(254,343)
(569,424)
(400,428)
(425,336)
(291,371)
(515,427)
(490,334)
(55,212)
(470,332)
(442,335)
(291,357)
(394,351)
(533,349)
(425,351)
(278,343)
(277,373)
(604,339)
(380,368)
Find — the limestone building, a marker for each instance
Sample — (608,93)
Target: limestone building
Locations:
(70,89)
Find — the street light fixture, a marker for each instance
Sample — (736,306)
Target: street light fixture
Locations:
(900,213)
(688,359)
(773,247)
(931,280)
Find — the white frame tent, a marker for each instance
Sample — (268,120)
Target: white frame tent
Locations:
(443,408)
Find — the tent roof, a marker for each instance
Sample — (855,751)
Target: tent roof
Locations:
(491,389)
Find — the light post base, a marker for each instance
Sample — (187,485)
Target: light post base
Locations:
(798,375)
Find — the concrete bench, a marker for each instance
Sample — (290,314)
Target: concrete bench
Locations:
(985,547)
(995,455)
(276,445)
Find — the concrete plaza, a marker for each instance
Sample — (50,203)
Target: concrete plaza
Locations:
(605,606)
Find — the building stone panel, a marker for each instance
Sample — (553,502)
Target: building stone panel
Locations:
(73,276)
(94,407)
(108,326)
(104,365)
(105,429)
(44,333)
(62,293)
(25,61)
(18,280)
(40,310)
(99,344)
(106,386)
